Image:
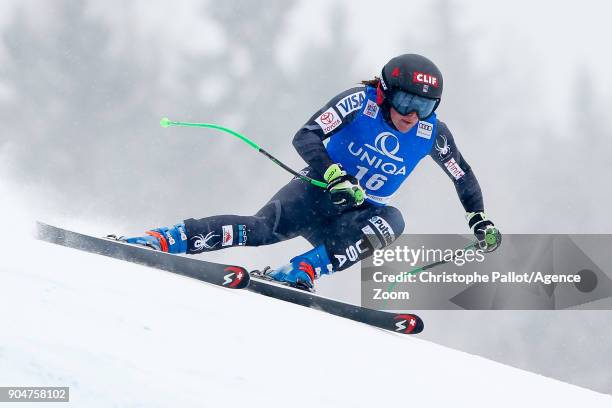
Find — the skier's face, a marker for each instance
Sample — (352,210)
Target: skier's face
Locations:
(403,123)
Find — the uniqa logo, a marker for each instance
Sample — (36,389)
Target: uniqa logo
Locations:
(374,161)
(386,143)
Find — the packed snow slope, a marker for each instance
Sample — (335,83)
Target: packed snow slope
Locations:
(124,335)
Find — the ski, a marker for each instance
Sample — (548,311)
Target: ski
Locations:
(228,276)
(403,323)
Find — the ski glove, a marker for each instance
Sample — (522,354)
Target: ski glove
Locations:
(489,238)
(344,189)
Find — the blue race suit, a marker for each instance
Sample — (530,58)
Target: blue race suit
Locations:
(359,136)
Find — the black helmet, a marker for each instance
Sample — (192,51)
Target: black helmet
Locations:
(411,83)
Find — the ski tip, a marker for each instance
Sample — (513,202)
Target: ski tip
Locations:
(407,324)
(236,277)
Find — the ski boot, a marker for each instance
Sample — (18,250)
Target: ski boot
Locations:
(301,271)
(172,240)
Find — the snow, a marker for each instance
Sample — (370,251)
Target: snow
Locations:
(125,335)
(129,336)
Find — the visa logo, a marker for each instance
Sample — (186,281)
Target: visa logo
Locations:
(350,103)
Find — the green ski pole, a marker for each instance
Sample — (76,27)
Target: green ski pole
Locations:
(165,122)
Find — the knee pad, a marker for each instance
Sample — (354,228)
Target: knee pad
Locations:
(386,225)
(395,218)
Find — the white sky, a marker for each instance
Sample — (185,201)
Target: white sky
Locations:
(559,32)
(551,38)
(554,38)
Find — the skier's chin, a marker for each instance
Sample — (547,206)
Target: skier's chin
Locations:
(405,125)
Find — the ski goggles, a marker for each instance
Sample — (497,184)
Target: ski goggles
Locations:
(404,103)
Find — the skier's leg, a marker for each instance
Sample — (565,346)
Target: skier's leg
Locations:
(222,231)
(288,214)
(341,242)
(354,235)
(212,233)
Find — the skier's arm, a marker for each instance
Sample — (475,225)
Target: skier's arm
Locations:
(331,118)
(447,155)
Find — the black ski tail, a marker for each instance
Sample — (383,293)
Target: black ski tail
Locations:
(403,323)
(229,276)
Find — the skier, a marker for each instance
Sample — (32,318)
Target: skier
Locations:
(377,134)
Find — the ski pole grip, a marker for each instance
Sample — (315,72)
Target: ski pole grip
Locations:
(491,237)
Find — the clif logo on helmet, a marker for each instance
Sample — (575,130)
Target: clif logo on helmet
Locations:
(423,78)
(409,73)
